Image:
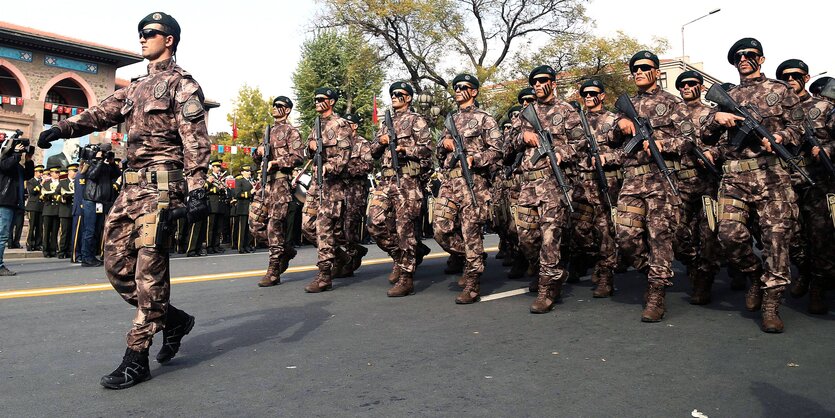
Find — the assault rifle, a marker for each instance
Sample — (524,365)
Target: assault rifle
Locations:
(594,154)
(318,157)
(460,154)
(810,138)
(643,132)
(721,97)
(395,163)
(265,160)
(546,148)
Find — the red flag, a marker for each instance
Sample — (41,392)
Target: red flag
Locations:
(374,113)
(214,147)
(235,128)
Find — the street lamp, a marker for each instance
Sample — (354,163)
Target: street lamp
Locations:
(682,29)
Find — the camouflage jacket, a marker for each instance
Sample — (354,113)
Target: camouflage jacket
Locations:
(821,116)
(482,140)
(361,162)
(603,126)
(412,136)
(698,113)
(774,102)
(286,148)
(164,118)
(336,140)
(670,122)
(553,116)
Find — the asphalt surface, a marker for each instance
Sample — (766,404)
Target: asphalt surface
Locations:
(354,352)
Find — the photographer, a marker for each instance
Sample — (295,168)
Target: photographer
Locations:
(12,178)
(98,194)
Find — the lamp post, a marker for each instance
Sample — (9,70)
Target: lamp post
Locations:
(696,19)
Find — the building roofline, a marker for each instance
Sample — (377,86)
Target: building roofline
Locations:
(51,42)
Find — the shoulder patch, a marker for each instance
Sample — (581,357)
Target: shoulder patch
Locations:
(160,89)
(343,143)
(798,113)
(772,98)
(192,109)
(814,113)
(296,144)
(661,109)
(556,119)
(576,133)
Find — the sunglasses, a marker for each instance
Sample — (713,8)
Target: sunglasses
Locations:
(398,95)
(749,55)
(320,99)
(589,93)
(792,76)
(542,80)
(643,67)
(689,83)
(150,33)
(462,87)
(279,106)
(528,100)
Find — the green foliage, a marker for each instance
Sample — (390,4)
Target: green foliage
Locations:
(346,62)
(253,113)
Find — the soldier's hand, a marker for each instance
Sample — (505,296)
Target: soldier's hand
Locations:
(469,161)
(48,136)
(709,157)
(312,145)
(270,166)
(448,144)
(196,205)
(657,144)
(384,139)
(767,146)
(626,126)
(726,119)
(778,139)
(816,151)
(260,150)
(530,138)
(602,161)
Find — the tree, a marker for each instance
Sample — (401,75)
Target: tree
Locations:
(344,61)
(251,113)
(420,35)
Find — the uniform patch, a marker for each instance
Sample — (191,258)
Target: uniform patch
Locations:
(157,16)
(772,98)
(192,108)
(330,134)
(814,113)
(556,119)
(160,89)
(576,133)
(495,134)
(660,109)
(798,113)
(606,127)
(687,127)
(296,144)
(343,143)
(702,119)
(472,123)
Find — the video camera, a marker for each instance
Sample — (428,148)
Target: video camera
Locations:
(11,142)
(90,151)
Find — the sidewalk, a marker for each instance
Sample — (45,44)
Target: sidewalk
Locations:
(18,253)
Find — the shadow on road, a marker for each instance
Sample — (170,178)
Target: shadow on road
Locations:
(779,403)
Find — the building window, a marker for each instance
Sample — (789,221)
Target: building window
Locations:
(663,80)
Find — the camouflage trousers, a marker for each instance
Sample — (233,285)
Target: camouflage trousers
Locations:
(593,232)
(696,245)
(505,196)
(392,213)
(647,214)
(323,225)
(356,201)
(819,231)
(268,218)
(141,275)
(459,224)
(766,197)
(541,217)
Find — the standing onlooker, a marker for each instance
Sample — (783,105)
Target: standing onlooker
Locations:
(12,177)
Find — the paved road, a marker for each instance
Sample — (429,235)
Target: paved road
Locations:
(355,352)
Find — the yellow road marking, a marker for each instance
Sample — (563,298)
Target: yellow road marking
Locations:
(101,287)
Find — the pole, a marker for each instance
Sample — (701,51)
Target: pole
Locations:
(694,20)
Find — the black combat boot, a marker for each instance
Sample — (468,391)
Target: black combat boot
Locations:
(454,264)
(421,251)
(134,369)
(177,325)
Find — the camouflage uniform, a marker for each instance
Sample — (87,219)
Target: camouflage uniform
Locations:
(268,215)
(356,201)
(459,222)
(393,209)
(164,115)
(593,232)
(542,213)
(755,184)
(322,222)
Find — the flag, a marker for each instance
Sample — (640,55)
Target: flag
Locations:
(214,147)
(220,149)
(235,128)
(47,106)
(13,101)
(20,101)
(5,99)
(234,149)
(374,113)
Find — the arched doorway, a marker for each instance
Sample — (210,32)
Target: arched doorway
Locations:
(9,87)
(66,98)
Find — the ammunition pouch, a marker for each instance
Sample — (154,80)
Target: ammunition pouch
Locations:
(751,164)
(258,212)
(445,209)
(830,201)
(527,218)
(407,168)
(711,211)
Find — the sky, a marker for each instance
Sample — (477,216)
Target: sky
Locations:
(227,44)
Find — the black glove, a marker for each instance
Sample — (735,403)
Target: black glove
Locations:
(53,134)
(197,206)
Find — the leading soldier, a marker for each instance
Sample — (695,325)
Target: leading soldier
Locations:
(167,154)
(755,184)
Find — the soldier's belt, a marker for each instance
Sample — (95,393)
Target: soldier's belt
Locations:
(640,170)
(610,174)
(512,182)
(154,177)
(535,174)
(750,164)
(410,168)
(686,174)
(632,223)
(277,175)
(454,173)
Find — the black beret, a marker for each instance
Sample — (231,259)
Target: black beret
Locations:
(466,78)
(592,83)
(171,26)
(401,85)
(542,69)
(643,55)
(792,63)
(516,108)
(327,92)
(353,118)
(744,43)
(688,75)
(283,100)
(817,86)
(525,92)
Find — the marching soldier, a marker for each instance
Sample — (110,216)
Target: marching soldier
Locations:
(542,211)
(648,209)
(216,192)
(356,198)
(394,207)
(66,191)
(518,260)
(460,211)
(243,197)
(268,216)
(593,235)
(50,196)
(34,208)
(167,154)
(817,226)
(324,207)
(755,183)
(696,245)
